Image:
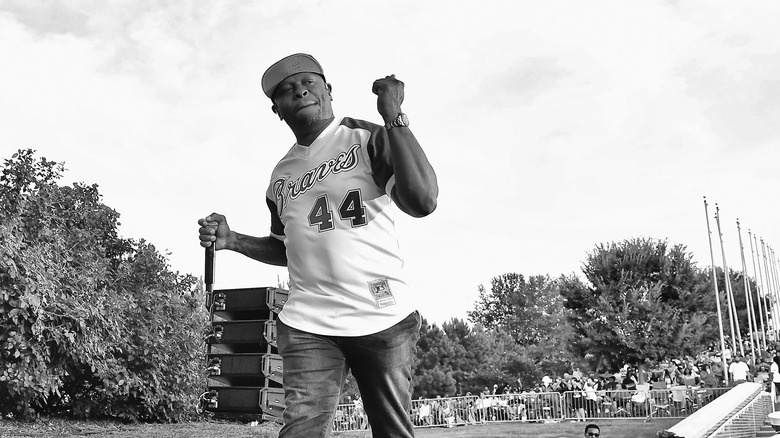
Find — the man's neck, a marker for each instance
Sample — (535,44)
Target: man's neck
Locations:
(306,134)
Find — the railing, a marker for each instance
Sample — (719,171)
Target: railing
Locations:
(739,413)
(643,403)
(748,420)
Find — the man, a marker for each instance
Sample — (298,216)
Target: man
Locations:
(332,224)
(739,370)
(592,431)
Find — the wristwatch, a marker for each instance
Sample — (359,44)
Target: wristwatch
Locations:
(401,120)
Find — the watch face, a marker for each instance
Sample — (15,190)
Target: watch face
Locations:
(403,119)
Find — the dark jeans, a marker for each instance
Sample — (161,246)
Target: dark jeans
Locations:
(315,368)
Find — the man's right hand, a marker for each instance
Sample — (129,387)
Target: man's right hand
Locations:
(214,229)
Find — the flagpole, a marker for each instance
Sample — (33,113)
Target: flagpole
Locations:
(734,321)
(776,280)
(761,304)
(748,299)
(768,304)
(717,298)
(770,292)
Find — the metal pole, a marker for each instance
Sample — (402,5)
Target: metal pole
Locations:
(736,338)
(717,298)
(748,300)
(771,293)
(761,304)
(767,300)
(776,280)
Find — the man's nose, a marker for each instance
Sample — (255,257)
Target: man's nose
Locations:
(302,91)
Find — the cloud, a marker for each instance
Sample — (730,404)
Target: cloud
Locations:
(520,83)
(48,17)
(742,96)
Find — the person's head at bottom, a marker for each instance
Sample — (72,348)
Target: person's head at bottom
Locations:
(592,430)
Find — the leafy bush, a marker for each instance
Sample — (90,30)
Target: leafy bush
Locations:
(91,324)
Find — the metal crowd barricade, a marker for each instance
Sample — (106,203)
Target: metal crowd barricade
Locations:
(641,404)
(455,411)
(449,411)
(349,417)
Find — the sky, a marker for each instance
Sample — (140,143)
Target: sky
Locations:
(553,126)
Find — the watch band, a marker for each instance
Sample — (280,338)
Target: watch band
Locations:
(401,120)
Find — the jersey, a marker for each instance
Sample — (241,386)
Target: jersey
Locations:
(330,205)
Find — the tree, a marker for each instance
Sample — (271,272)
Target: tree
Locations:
(90,323)
(644,300)
(533,314)
(432,369)
(470,352)
(531,311)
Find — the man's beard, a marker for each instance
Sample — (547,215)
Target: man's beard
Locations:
(309,119)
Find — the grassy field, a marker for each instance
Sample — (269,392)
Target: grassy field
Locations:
(216,429)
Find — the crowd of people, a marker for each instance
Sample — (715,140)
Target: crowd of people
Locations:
(578,395)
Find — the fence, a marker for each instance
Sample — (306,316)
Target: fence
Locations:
(739,413)
(642,403)
(748,420)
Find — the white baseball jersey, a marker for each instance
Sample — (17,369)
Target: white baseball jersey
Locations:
(330,205)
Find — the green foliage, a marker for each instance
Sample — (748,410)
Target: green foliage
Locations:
(457,359)
(432,371)
(90,324)
(532,313)
(530,310)
(470,353)
(645,300)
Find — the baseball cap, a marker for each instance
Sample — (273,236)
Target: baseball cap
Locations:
(288,66)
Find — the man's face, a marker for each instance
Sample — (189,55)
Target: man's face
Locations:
(592,432)
(302,99)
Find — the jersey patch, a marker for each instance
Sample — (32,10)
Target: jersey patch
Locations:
(380,289)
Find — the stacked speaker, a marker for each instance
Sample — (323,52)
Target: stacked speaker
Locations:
(245,374)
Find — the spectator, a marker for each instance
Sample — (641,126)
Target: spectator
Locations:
(739,370)
(578,402)
(451,413)
(547,384)
(424,414)
(611,384)
(469,407)
(483,406)
(690,376)
(591,398)
(360,413)
(717,369)
(707,377)
(629,382)
(668,381)
(592,431)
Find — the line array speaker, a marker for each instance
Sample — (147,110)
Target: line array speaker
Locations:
(245,371)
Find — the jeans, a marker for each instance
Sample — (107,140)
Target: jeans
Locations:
(315,368)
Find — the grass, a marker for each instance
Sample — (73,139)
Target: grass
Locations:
(220,429)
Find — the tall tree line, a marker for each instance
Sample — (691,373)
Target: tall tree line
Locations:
(638,300)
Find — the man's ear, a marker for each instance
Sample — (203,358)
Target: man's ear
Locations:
(330,90)
(275,109)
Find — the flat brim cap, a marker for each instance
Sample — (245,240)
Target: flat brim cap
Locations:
(288,66)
